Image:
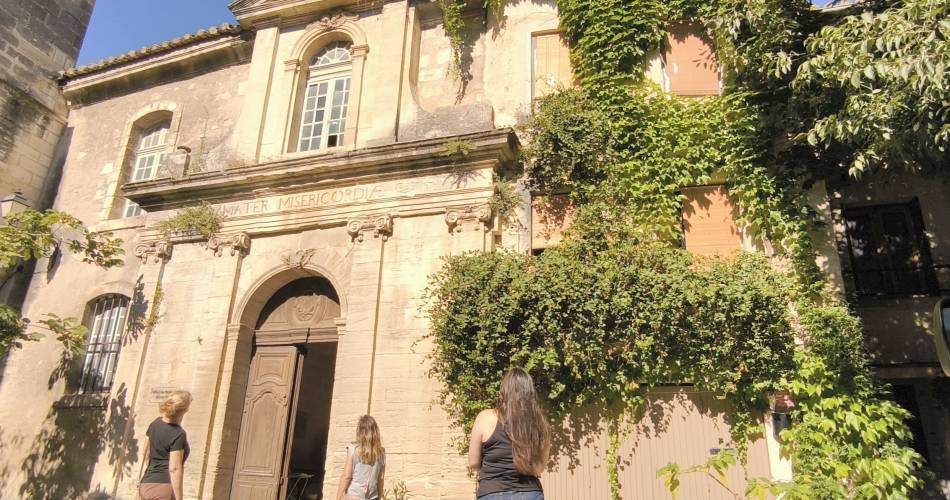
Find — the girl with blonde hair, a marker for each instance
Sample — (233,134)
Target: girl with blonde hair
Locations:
(365,467)
(509,444)
(165,451)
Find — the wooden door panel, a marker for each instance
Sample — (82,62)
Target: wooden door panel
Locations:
(264,427)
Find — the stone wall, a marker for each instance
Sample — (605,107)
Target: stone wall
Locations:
(38,38)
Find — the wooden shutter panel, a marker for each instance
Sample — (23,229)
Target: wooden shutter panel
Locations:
(709,221)
(691,64)
(550,216)
(551,68)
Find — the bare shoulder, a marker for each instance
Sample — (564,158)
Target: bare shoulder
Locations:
(485,422)
(486,417)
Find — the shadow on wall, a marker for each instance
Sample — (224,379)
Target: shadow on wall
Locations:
(62,457)
(678,425)
(662,412)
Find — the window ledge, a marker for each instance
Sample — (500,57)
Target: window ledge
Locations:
(82,401)
(121,223)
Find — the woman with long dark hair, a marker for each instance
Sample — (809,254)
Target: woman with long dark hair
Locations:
(509,444)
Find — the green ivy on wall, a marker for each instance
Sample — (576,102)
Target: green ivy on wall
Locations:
(618,309)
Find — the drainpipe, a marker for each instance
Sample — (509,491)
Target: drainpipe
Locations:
(379,295)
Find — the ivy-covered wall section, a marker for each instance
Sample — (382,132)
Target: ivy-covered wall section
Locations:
(618,308)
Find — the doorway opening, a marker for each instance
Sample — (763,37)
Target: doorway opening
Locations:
(282,445)
(308,446)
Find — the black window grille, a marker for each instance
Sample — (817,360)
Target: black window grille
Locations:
(106,322)
(890,254)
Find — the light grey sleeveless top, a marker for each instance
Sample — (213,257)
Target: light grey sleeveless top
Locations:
(365,477)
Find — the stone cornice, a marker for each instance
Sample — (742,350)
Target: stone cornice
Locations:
(393,161)
(232,47)
(252,12)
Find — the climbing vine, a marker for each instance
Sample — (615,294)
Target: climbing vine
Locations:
(201,219)
(618,309)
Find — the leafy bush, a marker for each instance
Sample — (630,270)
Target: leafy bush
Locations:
(201,219)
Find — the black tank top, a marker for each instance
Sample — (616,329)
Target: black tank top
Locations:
(498,471)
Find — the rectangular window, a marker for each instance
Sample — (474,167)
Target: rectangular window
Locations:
(324,114)
(131,209)
(709,221)
(888,250)
(106,324)
(689,62)
(550,64)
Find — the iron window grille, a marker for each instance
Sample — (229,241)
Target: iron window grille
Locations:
(889,252)
(106,322)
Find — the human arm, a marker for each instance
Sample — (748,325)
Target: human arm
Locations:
(176,470)
(476,439)
(145,450)
(347,475)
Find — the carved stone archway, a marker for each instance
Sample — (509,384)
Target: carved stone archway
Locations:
(290,309)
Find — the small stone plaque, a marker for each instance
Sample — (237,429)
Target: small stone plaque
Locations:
(158,394)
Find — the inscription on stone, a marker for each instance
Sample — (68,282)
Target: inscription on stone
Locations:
(156,395)
(331,197)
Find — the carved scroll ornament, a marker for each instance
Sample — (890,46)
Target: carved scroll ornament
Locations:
(381,226)
(481,215)
(160,250)
(237,242)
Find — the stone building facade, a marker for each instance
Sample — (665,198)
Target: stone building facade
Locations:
(38,39)
(326,133)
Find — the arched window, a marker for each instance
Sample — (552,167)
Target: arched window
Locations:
(323,113)
(106,321)
(148,155)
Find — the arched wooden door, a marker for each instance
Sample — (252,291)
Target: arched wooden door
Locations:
(302,312)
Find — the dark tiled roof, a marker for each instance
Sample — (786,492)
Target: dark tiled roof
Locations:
(213,32)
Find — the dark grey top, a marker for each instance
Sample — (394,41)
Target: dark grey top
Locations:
(163,438)
(498,473)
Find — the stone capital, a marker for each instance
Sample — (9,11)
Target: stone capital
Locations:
(159,251)
(480,215)
(381,226)
(239,243)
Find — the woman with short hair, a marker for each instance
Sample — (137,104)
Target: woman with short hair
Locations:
(509,444)
(165,451)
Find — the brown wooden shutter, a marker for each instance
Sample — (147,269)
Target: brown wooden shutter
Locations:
(691,64)
(551,65)
(550,216)
(709,221)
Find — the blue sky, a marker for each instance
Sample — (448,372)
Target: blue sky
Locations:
(118,26)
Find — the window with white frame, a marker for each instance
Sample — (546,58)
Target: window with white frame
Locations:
(106,322)
(323,113)
(149,155)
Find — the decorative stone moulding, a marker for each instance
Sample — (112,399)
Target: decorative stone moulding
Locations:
(380,225)
(480,215)
(332,20)
(299,259)
(237,242)
(160,250)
